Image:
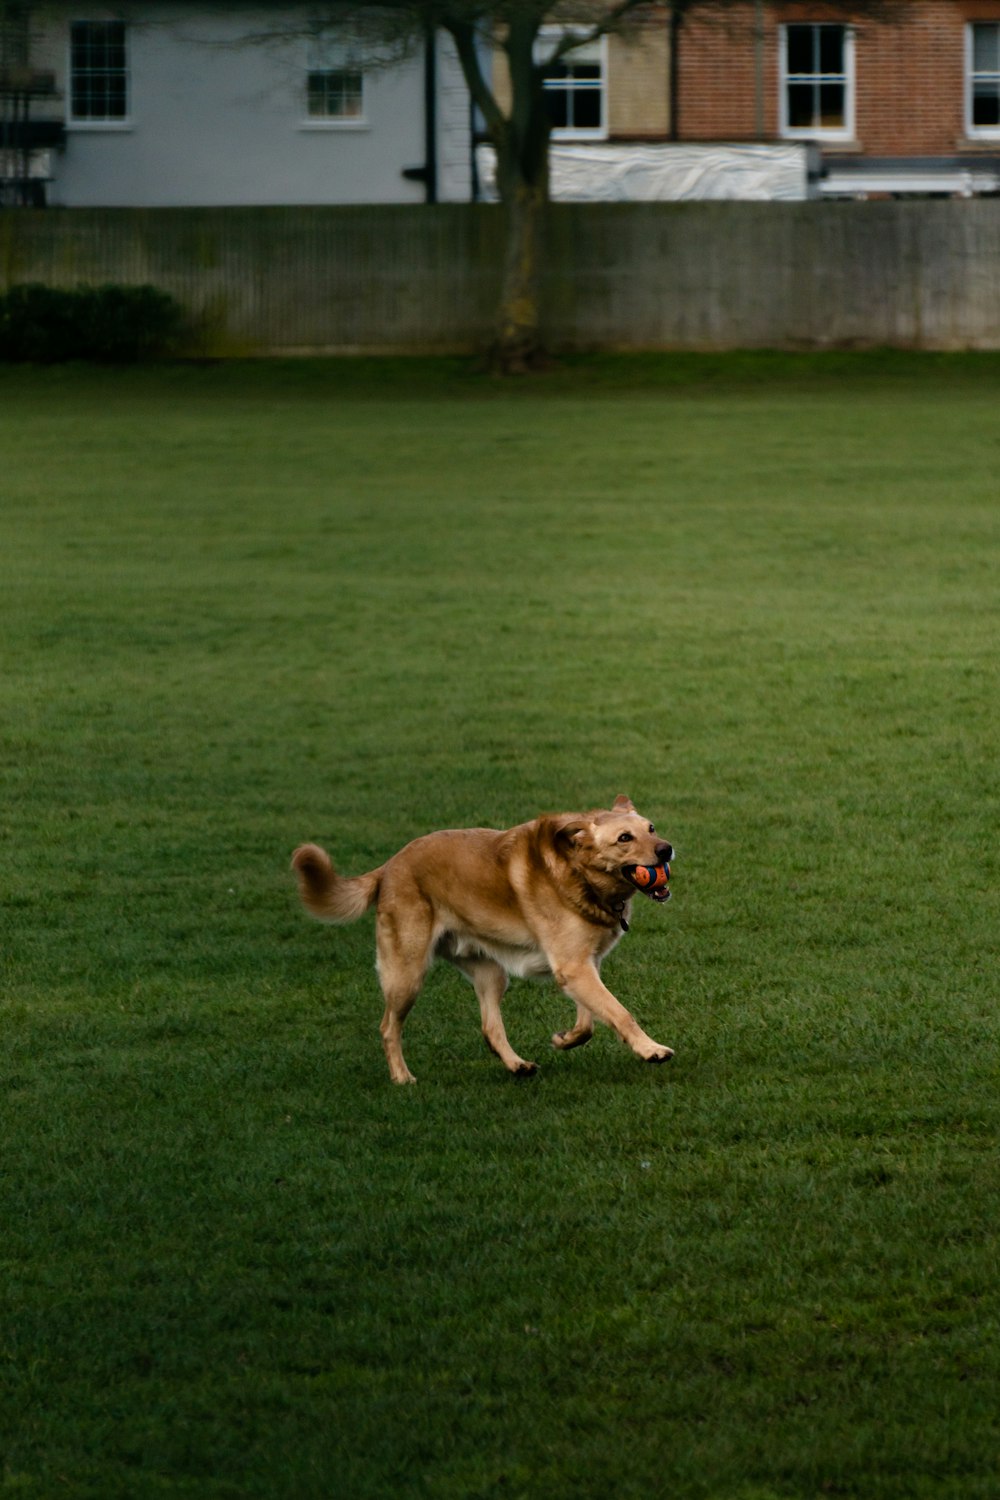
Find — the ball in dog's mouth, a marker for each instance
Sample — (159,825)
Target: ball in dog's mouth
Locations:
(652,880)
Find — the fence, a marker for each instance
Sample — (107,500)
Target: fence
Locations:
(922,274)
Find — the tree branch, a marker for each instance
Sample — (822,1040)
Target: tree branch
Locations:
(612,18)
(463,34)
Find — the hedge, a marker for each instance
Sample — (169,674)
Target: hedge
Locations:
(117,324)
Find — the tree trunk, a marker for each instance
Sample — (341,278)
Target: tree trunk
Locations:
(520,138)
(517,345)
(522,147)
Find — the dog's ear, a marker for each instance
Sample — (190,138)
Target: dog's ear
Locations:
(567,831)
(623,804)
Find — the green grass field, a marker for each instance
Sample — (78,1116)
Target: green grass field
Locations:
(243,606)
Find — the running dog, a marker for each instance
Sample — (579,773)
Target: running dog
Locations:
(549,897)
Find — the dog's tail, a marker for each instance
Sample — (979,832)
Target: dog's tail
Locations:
(330,896)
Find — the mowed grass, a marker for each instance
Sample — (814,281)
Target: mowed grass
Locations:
(246,606)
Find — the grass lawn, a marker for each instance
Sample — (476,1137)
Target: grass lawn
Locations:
(245,606)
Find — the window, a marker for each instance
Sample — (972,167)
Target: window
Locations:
(335,85)
(983,74)
(98,71)
(576,88)
(335,94)
(817,81)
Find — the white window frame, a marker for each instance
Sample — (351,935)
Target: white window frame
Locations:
(98,122)
(843,132)
(973,131)
(596,51)
(332,54)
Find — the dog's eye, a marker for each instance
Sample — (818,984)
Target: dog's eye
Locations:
(624,838)
(651,828)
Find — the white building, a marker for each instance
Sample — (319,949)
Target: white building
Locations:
(176,104)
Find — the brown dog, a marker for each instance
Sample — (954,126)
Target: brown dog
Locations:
(551,896)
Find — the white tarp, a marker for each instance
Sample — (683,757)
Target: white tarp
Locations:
(646,174)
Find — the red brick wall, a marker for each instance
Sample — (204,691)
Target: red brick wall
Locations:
(909,74)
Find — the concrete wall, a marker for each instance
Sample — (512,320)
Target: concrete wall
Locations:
(640,276)
(780,275)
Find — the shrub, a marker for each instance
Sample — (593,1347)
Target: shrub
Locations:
(125,323)
(121,324)
(39,323)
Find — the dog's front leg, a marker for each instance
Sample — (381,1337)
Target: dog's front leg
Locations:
(582,983)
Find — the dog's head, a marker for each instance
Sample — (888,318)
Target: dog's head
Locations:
(609,844)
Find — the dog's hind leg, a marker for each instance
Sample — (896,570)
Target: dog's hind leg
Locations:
(397,1008)
(489,980)
(579,1033)
(404,951)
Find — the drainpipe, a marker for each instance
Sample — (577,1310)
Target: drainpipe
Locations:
(674,103)
(475,186)
(428,173)
(758,70)
(430,114)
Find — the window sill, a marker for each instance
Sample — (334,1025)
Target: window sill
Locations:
(577,137)
(326,125)
(823,138)
(99,127)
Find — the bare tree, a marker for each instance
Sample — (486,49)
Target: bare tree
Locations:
(532,37)
(520,137)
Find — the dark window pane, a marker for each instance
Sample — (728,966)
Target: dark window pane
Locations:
(587,109)
(986,104)
(587,70)
(556,101)
(831,106)
(831,49)
(800,106)
(800,49)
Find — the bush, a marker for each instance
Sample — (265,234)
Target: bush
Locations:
(39,323)
(118,324)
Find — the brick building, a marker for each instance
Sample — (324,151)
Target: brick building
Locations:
(906,100)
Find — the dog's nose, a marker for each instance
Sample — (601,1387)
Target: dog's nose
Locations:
(664,852)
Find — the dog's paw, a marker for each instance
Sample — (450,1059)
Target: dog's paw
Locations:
(564,1040)
(660,1055)
(525,1070)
